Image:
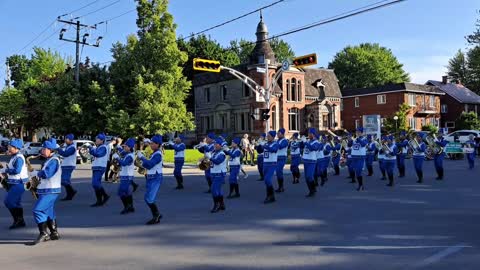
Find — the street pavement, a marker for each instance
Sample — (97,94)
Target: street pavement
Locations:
(410,226)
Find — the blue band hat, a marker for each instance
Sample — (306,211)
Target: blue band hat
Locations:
(130,142)
(218,141)
(390,137)
(272,133)
(17,143)
(360,129)
(312,131)
(403,133)
(181,137)
(369,137)
(295,135)
(211,136)
(236,140)
(282,130)
(157,139)
(101,136)
(69,137)
(50,144)
(422,135)
(264,135)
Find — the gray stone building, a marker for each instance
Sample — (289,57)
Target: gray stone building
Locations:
(303,98)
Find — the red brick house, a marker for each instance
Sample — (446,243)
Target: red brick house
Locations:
(457,99)
(303,98)
(385,100)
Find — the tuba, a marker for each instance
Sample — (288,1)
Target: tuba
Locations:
(4,179)
(204,163)
(84,152)
(435,148)
(138,162)
(33,183)
(414,145)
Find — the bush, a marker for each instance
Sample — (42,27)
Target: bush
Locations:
(430,128)
(467,121)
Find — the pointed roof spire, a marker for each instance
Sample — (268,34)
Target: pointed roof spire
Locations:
(261,16)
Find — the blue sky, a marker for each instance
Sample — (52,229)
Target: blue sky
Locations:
(423,34)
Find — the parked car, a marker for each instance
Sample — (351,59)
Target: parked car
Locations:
(461,135)
(31,149)
(4,145)
(78,144)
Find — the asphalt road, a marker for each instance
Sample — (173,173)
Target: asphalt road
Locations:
(411,226)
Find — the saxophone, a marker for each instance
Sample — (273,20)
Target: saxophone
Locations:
(4,179)
(138,162)
(33,183)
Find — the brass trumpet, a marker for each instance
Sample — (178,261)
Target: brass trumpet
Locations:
(4,179)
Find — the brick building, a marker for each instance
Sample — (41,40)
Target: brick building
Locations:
(385,100)
(457,99)
(303,97)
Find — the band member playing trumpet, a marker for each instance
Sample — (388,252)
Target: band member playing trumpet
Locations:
(390,151)
(259,148)
(154,166)
(218,172)
(295,146)
(235,153)
(359,152)
(402,146)
(127,173)
(17,176)
(281,158)
(439,157)
(270,164)
(370,154)
(470,156)
(99,165)
(48,191)
(419,156)
(206,148)
(69,163)
(336,155)
(179,156)
(310,160)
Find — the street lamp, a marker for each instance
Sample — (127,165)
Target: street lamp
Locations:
(396,126)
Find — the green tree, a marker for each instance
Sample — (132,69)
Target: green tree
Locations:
(151,97)
(19,68)
(12,102)
(243,48)
(430,128)
(367,65)
(401,124)
(468,121)
(458,68)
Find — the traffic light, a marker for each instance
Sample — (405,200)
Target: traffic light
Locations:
(206,65)
(265,114)
(306,60)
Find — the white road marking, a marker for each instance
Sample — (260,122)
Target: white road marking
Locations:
(440,255)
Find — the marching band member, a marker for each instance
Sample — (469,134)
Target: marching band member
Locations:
(325,161)
(179,156)
(17,176)
(218,172)
(99,165)
(270,164)
(281,158)
(390,159)
(359,152)
(127,173)
(154,166)
(318,167)
(336,155)
(381,159)
(349,162)
(310,160)
(438,158)
(402,146)
(205,149)
(69,163)
(471,156)
(370,154)
(235,153)
(419,157)
(295,158)
(48,190)
(259,149)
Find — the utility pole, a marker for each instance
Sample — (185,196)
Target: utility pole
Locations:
(77,42)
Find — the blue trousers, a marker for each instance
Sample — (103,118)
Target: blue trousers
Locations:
(471,160)
(309,171)
(438,161)
(260,165)
(208,177)
(336,160)
(418,164)
(217,182)
(97,178)
(369,160)
(67,175)
(349,163)
(381,165)
(358,163)
(44,208)
(153,185)
(177,171)
(268,171)
(14,196)
(234,170)
(389,166)
(401,163)
(280,165)
(124,187)
(325,162)
(294,163)
(318,168)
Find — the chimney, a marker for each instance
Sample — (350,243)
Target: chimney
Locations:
(444,79)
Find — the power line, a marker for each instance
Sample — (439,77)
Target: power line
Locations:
(232,20)
(80,8)
(36,37)
(116,17)
(97,10)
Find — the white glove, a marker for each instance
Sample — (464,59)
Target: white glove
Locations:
(262,143)
(34,173)
(208,155)
(171,143)
(115,156)
(4,170)
(140,155)
(304,139)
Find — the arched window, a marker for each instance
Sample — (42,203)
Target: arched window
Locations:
(289,94)
(293,90)
(293,119)
(273,118)
(299,90)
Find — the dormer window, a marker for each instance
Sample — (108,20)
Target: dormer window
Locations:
(321,89)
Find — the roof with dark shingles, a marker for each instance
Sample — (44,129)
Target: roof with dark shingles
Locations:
(327,77)
(392,87)
(459,92)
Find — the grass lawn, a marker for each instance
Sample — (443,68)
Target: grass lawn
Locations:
(191,156)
